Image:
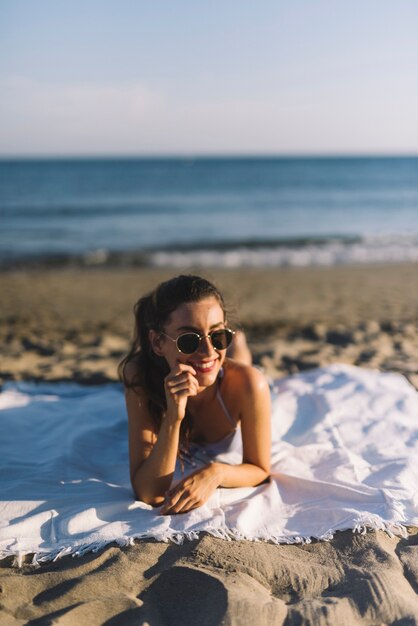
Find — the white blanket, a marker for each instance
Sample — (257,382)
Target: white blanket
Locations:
(344,456)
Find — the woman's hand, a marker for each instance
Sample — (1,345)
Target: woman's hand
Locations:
(180,383)
(192,491)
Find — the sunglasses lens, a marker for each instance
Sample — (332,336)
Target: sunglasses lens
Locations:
(188,343)
(221,338)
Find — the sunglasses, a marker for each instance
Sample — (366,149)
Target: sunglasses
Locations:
(187,343)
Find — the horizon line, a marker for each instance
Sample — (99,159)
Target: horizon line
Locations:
(205,155)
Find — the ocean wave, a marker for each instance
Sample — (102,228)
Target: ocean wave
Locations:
(298,253)
(293,252)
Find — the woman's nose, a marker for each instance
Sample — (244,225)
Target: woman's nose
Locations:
(206,346)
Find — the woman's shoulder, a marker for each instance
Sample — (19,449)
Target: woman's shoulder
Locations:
(244,377)
(132,375)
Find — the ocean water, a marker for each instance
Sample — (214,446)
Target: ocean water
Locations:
(209,211)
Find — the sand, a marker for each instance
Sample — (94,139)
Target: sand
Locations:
(76,325)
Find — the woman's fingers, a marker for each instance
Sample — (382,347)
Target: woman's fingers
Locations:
(182,506)
(173,388)
(183,383)
(182,498)
(177,488)
(183,389)
(178,494)
(176,503)
(187,505)
(184,386)
(179,385)
(190,493)
(181,379)
(174,497)
(181,368)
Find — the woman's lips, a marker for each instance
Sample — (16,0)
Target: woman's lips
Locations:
(204,366)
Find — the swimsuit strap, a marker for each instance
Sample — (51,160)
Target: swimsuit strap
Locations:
(221,402)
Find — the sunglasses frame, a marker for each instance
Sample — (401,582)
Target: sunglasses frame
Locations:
(200,337)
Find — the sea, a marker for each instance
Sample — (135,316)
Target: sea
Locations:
(208,211)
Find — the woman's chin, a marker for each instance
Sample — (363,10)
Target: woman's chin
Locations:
(206,379)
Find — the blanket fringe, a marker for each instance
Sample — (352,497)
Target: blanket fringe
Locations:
(374,522)
(362,525)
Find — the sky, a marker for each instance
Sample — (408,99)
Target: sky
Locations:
(134,77)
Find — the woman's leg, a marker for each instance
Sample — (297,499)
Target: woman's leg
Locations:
(239,350)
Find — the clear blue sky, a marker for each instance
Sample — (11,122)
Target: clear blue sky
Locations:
(181,77)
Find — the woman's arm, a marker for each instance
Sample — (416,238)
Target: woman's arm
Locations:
(255,413)
(152,456)
(256,433)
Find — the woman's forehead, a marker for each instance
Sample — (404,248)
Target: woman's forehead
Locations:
(207,311)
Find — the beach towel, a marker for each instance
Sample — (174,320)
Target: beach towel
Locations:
(344,456)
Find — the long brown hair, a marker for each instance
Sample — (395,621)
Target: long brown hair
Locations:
(152,311)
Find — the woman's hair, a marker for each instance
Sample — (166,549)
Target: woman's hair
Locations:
(152,311)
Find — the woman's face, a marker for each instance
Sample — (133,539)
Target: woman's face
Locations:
(199,317)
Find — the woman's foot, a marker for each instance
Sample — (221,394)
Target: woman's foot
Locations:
(239,350)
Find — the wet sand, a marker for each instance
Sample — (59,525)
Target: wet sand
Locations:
(76,325)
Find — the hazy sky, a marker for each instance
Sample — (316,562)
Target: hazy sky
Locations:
(221,76)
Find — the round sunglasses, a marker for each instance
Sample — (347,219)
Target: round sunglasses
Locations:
(187,343)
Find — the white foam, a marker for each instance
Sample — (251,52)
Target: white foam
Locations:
(368,250)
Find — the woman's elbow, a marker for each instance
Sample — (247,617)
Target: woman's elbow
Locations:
(266,477)
(265,471)
(146,498)
(141,495)
(264,467)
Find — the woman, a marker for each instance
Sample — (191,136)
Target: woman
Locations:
(184,393)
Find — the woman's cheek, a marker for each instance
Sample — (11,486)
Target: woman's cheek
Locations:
(173,361)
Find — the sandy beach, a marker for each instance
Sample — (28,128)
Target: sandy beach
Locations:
(76,324)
